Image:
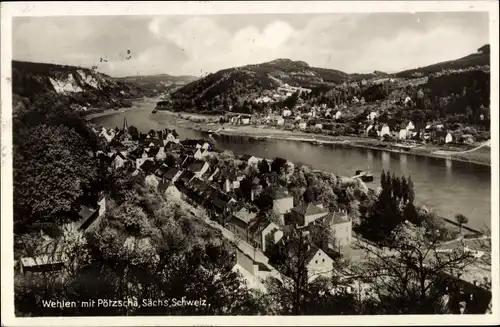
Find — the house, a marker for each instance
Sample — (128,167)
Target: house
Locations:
(240,222)
(184,178)
(448,138)
(297,118)
(340,226)
(161,171)
(170,190)
(249,159)
(368,129)
(87,216)
(171,136)
(402,134)
(107,135)
(302,125)
(200,153)
(209,173)
(410,126)
(372,115)
(282,203)
(287,113)
(385,131)
(153,152)
(172,147)
(161,155)
(117,160)
(188,143)
(198,167)
(149,167)
(265,233)
(279,121)
(49,256)
(140,161)
(338,115)
(253,272)
(318,263)
(407,101)
(172,174)
(186,160)
(305,214)
(468,139)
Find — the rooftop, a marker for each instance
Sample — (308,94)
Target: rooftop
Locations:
(245,215)
(309,209)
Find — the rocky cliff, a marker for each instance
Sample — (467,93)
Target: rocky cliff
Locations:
(87,89)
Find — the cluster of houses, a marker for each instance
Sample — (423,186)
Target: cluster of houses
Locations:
(190,176)
(426,132)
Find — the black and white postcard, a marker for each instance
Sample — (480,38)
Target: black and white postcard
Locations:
(250,163)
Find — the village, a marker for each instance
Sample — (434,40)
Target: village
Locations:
(194,173)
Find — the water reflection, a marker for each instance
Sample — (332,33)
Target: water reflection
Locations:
(403,163)
(386,160)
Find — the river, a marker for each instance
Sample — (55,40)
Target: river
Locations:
(448,187)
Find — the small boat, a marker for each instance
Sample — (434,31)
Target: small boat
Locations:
(155,111)
(365,176)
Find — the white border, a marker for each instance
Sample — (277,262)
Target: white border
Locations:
(195,8)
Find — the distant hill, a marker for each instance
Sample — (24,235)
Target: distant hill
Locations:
(480,58)
(157,84)
(83,86)
(251,81)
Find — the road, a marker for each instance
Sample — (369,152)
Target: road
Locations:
(242,245)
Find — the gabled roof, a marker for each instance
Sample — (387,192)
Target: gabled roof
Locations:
(172,146)
(334,218)
(162,170)
(246,157)
(309,209)
(157,142)
(185,176)
(191,142)
(187,161)
(148,166)
(282,193)
(245,216)
(163,186)
(153,151)
(170,173)
(118,154)
(196,166)
(85,214)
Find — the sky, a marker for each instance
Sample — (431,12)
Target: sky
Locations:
(196,45)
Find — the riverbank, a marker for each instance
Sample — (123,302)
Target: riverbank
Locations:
(481,156)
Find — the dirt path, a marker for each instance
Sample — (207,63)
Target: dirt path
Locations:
(443,152)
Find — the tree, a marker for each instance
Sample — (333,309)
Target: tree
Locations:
(290,256)
(461,220)
(51,169)
(411,276)
(278,165)
(263,166)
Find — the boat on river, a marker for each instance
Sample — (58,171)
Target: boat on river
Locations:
(155,111)
(364,176)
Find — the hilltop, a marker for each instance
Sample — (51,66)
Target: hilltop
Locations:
(245,83)
(272,84)
(480,58)
(85,88)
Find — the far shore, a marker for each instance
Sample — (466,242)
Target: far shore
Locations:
(479,157)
